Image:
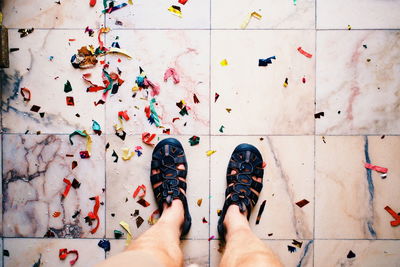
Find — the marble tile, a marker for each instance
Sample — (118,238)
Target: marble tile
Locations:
(188,53)
(27,252)
(275,14)
(260,103)
(301,257)
(49,14)
(194,251)
(31,67)
(357,96)
(350,200)
(288,178)
(368,14)
(368,253)
(33,172)
(123,177)
(155,15)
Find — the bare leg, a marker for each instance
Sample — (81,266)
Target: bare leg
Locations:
(243,248)
(158,246)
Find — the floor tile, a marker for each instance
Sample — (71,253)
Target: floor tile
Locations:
(301,257)
(357,96)
(31,67)
(194,251)
(288,178)
(185,51)
(155,15)
(368,253)
(123,177)
(49,14)
(367,14)
(27,252)
(259,102)
(275,14)
(33,171)
(350,200)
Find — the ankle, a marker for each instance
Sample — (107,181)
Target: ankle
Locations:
(173,213)
(235,220)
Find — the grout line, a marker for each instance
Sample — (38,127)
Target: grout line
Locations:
(209,136)
(315,122)
(105,151)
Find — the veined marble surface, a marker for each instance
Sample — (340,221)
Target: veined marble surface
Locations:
(321,160)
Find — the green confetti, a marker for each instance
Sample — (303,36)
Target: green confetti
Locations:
(77,132)
(221,129)
(154,112)
(194,140)
(96,126)
(67,87)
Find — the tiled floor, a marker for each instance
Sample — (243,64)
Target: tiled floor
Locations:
(353,77)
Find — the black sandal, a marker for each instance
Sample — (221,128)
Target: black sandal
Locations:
(167,155)
(247,161)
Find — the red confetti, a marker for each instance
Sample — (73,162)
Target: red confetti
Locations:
(72,40)
(124,115)
(182,2)
(376,168)
(70,101)
(174,119)
(304,79)
(64,253)
(264,164)
(94,214)
(304,52)
(171,72)
(93,87)
(204,220)
(147,138)
(74,164)
(396,216)
(119,60)
(195,99)
(67,188)
(140,189)
(92,3)
(100,102)
(26,94)
(167,131)
(56,214)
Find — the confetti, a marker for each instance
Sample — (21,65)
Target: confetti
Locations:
(216,97)
(176,10)
(70,101)
(113,8)
(349,27)
(297,243)
(96,127)
(138,150)
(93,215)
(152,114)
(118,234)
(304,52)
(228,110)
(210,152)
(351,255)
(74,164)
(104,244)
(395,216)
(302,203)
(183,2)
(224,62)
(140,189)
(264,62)
(67,187)
(285,84)
(199,201)
(319,115)
(195,99)
(35,108)
(126,155)
(171,72)
(67,87)
(204,220)
(26,94)
(121,134)
(119,51)
(143,202)
(75,184)
(303,79)
(114,154)
(248,18)
(126,227)
(155,215)
(291,249)
(139,221)
(147,138)
(56,214)
(376,168)
(25,32)
(194,140)
(123,115)
(221,129)
(211,238)
(260,212)
(89,31)
(63,253)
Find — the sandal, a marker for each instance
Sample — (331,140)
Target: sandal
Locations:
(167,155)
(247,161)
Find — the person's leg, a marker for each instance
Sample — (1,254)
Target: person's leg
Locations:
(158,246)
(243,247)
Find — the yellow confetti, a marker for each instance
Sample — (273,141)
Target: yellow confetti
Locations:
(349,27)
(130,2)
(116,50)
(210,152)
(224,62)
(126,227)
(248,18)
(135,88)
(199,201)
(88,142)
(1,18)
(228,110)
(285,84)
(175,11)
(126,155)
